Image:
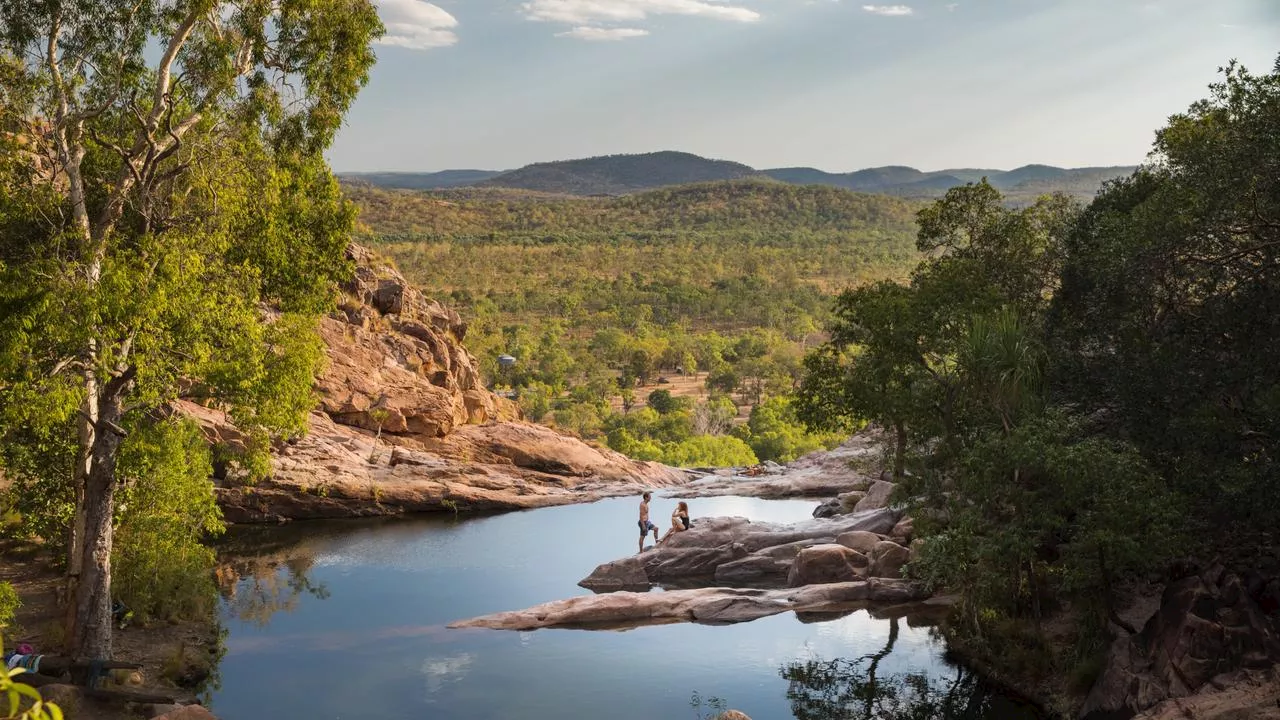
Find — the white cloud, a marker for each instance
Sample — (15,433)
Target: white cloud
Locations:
(416,24)
(889,10)
(599,33)
(586,12)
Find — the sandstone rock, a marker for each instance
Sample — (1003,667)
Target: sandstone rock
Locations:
(1253,694)
(887,559)
(849,500)
(830,508)
(877,496)
(828,563)
(712,605)
(404,424)
(188,712)
(732,715)
(820,474)
(860,540)
(1207,625)
(625,574)
(68,698)
(764,566)
(903,532)
(842,504)
(736,549)
(328,473)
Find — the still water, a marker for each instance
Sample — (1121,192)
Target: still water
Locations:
(347,621)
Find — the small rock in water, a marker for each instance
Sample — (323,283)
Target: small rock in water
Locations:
(830,508)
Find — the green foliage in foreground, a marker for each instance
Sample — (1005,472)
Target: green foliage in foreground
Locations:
(1078,391)
(162,568)
(9,604)
(22,701)
(190,194)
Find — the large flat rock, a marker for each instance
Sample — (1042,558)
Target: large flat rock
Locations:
(732,549)
(713,606)
(826,473)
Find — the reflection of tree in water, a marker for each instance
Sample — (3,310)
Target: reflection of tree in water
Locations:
(255,589)
(852,690)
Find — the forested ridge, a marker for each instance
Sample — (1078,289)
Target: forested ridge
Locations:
(623,174)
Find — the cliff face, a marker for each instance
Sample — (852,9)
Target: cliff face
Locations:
(404,424)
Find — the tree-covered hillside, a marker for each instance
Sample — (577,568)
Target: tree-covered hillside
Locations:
(732,279)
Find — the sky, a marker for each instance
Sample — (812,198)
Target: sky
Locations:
(834,84)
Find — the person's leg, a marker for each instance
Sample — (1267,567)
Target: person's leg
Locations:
(655,533)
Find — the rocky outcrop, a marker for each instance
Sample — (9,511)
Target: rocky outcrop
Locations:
(1209,624)
(829,563)
(826,473)
(712,605)
(404,424)
(731,550)
(1253,694)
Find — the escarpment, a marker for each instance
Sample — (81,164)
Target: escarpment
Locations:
(404,423)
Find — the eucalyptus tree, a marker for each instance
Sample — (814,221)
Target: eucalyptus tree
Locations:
(168,228)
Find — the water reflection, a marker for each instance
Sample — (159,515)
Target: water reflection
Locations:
(853,689)
(295,650)
(257,581)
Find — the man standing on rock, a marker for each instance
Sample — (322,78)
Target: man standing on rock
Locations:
(645,525)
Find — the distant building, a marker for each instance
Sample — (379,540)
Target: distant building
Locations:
(506,362)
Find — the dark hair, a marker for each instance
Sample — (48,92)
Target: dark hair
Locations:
(646,494)
(683,506)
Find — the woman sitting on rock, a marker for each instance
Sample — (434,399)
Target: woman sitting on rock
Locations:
(679,521)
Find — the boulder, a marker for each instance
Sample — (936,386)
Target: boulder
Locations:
(904,532)
(1208,624)
(764,566)
(877,496)
(732,715)
(849,500)
(68,698)
(625,574)
(860,540)
(830,508)
(711,605)
(828,563)
(842,504)
(887,559)
(735,549)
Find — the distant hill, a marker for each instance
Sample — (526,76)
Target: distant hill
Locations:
(1019,185)
(612,175)
(423,181)
(620,174)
